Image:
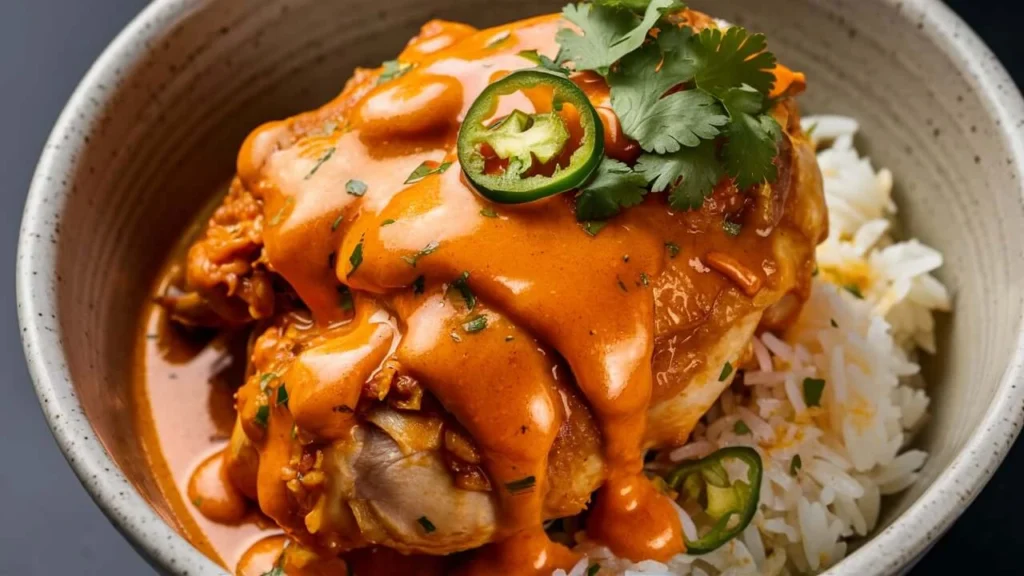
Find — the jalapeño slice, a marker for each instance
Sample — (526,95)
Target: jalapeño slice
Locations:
(730,506)
(525,140)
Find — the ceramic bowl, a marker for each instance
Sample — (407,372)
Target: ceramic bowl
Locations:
(155,125)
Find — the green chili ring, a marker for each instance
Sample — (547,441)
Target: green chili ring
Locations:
(510,188)
(711,471)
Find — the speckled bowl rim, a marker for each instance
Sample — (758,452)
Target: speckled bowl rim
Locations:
(890,551)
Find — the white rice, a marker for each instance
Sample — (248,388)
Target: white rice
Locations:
(853,448)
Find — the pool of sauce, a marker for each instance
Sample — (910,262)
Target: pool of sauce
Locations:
(183,385)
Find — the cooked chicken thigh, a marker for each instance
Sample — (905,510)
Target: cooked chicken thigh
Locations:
(379,412)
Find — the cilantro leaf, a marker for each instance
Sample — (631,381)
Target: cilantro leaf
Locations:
(661,124)
(392,69)
(609,33)
(356,258)
(543,62)
(427,525)
(689,173)
(752,144)
(732,228)
(635,38)
(277,570)
(426,169)
(615,186)
(813,388)
(427,250)
(592,227)
(462,285)
(320,162)
(475,324)
(743,100)
(635,5)
(680,60)
(733,59)
(356,187)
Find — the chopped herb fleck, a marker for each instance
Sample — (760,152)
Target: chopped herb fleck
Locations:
(855,290)
(644,279)
(337,222)
(673,249)
(356,258)
(498,40)
(282,396)
(265,380)
(279,215)
(475,324)
(593,569)
(332,260)
(732,228)
(625,257)
(427,250)
(726,372)
(592,227)
(392,69)
(455,336)
(345,298)
(152,336)
(622,284)
(417,284)
(277,570)
(262,415)
(462,285)
(741,427)
(387,222)
(425,169)
(832,321)
(488,213)
(811,130)
(813,387)
(521,485)
(197,501)
(321,161)
(428,526)
(815,271)
(355,187)
(543,62)
(795,465)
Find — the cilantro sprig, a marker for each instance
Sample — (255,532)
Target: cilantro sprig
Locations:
(610,31)
(660,123)
(695,102)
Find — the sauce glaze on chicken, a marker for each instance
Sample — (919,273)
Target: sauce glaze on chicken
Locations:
(376,418)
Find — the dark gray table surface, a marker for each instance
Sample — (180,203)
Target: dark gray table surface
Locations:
(48,524)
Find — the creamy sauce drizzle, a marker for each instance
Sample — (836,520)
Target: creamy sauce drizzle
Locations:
(638,295)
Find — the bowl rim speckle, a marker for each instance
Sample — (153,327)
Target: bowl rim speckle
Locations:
(887,552)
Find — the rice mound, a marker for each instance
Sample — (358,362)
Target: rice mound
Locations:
(825,467)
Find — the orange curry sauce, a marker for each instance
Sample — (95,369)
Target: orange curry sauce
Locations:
(575,324)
